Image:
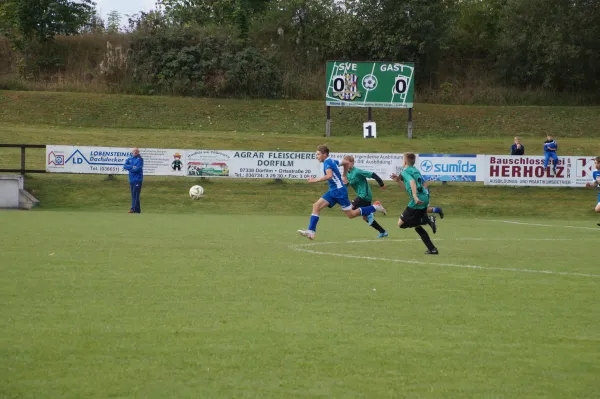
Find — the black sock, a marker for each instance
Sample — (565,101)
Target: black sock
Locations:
(425,238)
(377,227)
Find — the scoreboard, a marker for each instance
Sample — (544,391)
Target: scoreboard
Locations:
(370,84)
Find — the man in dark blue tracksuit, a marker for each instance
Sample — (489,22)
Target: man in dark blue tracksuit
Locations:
(135,165)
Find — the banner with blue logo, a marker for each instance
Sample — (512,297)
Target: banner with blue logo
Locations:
(450,167)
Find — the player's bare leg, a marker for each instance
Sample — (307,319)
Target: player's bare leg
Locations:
(314,219)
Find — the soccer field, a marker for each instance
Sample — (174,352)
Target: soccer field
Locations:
(103,304)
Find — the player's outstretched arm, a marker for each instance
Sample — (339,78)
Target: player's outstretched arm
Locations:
(378,180)
(345,163)
(328,176)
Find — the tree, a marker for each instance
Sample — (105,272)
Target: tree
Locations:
(8,18)
(41,20)
(551,44)
(475,33)
(236,13)
(409,30)
(113,22)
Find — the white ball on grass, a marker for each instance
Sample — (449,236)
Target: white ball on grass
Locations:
(196,192)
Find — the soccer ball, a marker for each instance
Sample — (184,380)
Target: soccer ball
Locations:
(369,82)
(196,192)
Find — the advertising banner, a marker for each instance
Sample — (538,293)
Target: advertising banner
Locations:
(582,169)
(251,164)
(110,160)
(279,164)
(572,171)
(450,167)
(381,164)
(529,171)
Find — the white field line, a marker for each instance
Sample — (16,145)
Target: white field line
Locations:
(306,248)
(541,225)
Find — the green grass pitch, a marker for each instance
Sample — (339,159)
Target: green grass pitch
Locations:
(106,304)
(221,298)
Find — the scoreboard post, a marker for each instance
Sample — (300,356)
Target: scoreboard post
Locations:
(366,84)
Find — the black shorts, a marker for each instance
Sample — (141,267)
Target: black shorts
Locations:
(413,217)
(359,202)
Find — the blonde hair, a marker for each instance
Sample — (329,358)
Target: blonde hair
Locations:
(349,158)
(323,149)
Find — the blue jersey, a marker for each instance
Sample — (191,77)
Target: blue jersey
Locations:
(335,182)
(550,144)
(596,176)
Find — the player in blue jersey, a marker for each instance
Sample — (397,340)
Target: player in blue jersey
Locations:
(337,194)
(596,183)
(550,148)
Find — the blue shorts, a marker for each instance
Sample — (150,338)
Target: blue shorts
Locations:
(338,196)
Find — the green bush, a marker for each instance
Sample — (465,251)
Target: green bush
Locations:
(201,62)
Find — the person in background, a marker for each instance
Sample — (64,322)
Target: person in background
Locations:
(517,148)
(550,148)
(135,165)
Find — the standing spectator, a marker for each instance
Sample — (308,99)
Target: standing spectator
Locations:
(550,148)
(517,148)
(135,165)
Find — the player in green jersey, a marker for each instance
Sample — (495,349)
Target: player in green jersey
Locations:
(415,215)
(357,179)
(430,209)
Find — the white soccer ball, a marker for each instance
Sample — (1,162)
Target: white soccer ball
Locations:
(196,192)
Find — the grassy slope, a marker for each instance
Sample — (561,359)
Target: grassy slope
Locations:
(84,119)
(289,117)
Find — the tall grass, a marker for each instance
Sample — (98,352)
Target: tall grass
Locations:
(80,71)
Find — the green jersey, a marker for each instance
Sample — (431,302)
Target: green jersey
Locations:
(357,178)
(412,173)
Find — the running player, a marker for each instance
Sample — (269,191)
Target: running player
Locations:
(415,215)
(357,178)
(430,209)
(337,194)
(596,183)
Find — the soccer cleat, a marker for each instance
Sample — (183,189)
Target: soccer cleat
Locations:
(307,233)
(380,207)
(131,211)
(441,213)
(432,224)
(433,251)
(383,235)
(370,219)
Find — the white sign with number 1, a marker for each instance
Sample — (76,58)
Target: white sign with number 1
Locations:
(369,130)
